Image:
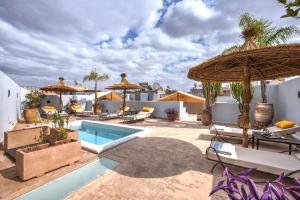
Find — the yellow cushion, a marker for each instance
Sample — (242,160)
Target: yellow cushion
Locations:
(48,107)
(285,124)
(147,109)
(76,106)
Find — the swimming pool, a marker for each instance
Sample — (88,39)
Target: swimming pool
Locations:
(98,136)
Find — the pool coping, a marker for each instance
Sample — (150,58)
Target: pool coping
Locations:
(100,148)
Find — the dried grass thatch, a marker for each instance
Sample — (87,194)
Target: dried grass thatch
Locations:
(265,64)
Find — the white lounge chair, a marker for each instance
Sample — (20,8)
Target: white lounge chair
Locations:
(113,115)
(238,132)
(264,161)
(86,110)
(48,110)
(140,116)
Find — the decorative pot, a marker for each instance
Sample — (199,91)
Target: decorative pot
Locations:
(98,110)
(263,114)
(206,117)
(31,115)
(172,117)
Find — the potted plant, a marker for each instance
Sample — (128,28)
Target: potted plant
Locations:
(172,114)
(60,125)
(33,102)
(237,91)
(54,149)
(210,91)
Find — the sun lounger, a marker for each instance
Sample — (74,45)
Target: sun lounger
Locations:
(264,161)
(86,110)
(76,108)
(140,116)
(48,110)
(113,115)
(238,132)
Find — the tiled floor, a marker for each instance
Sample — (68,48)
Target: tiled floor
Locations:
(169,163)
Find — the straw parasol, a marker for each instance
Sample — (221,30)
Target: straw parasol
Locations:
(124,85)
(249,64)
(60,88)
(182,96)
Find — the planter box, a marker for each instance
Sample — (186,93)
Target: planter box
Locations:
(36,163)
(72,134)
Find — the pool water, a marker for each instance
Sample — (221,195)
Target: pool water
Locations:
(65,185)
(100,134)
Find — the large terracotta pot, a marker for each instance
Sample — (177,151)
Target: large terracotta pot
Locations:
(45,157)
(31,114)
(98,110)
(206,117)
(263,114)
(172,117)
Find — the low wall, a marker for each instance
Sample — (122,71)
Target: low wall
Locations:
(10,101)
(159,107)
(54,99)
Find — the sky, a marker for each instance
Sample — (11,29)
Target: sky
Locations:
(150,40)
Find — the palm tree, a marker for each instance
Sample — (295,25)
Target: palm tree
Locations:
(266,35)
(94,76)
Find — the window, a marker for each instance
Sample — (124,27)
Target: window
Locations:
(8,93)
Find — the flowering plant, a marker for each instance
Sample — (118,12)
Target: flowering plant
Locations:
(242,187)
(171,111)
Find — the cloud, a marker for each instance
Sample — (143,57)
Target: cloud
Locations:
(155,41)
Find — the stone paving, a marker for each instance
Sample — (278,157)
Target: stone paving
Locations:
(169,163)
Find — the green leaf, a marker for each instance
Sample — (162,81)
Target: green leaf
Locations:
(282,1)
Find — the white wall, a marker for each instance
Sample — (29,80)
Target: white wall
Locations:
(159,107)
(284,98)
(9,105)
(54,99)
(288,100)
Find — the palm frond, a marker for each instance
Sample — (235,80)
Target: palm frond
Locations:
(86,78)
(281,35)
(103,77)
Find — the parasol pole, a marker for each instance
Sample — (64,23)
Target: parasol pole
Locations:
(246,101)
(124,97)
(60,101)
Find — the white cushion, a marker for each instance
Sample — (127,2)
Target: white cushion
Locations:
(275,129)
(264,161)
(230,131)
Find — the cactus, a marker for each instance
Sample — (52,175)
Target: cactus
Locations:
(237,91)
(211,91)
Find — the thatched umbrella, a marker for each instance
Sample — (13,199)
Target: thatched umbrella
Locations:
(250,64)
(60,88)
(124,85)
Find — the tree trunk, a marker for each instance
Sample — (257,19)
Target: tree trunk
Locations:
(124,99)
(263,88)
(246,101)
(95,103)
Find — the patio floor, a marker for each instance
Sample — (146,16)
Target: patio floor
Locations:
(169,163)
